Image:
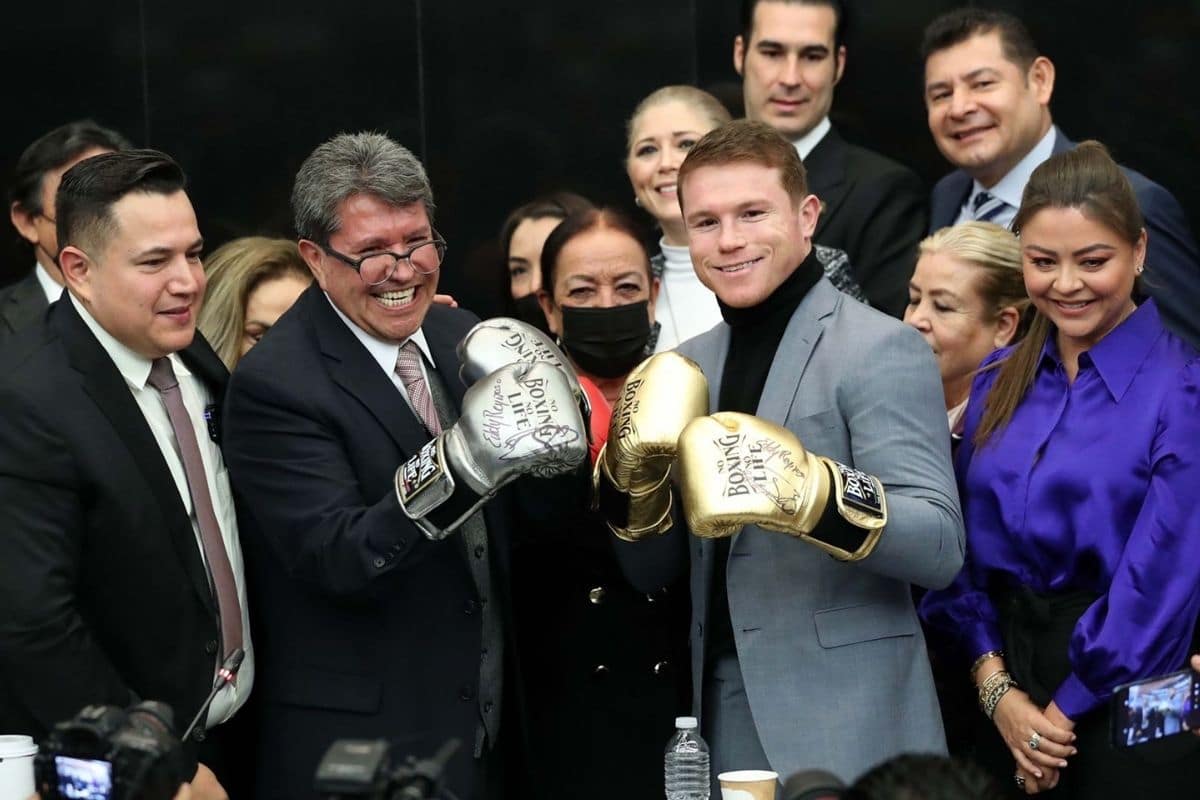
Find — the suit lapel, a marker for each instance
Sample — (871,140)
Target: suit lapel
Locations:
(108,390)
(948,199)
(795,349)
(826,171)
(444,348)
(353,369)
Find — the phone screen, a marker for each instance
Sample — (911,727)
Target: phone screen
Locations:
(83,778)
(1155,708)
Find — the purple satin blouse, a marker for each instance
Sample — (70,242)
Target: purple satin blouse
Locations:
(1093,485)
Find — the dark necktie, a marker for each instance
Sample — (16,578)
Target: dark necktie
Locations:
(408,367)
(986,207)
(162,378)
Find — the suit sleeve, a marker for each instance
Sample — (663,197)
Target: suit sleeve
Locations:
(49,660)
(1172,261)
(893,406)
(895,216)
(293,477)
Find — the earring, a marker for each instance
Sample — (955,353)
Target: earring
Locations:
(637,201)
(1138,269)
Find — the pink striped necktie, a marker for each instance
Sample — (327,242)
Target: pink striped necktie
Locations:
(162,378)
(408,367)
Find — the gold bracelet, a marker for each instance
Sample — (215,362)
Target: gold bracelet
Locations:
(993,690)
(979,661)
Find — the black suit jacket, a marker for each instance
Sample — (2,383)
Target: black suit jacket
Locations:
(1172,274)
(367,628)
(21,305)
(874,209)
(104,597)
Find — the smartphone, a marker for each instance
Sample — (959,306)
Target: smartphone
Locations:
(1152,709)
(84,778)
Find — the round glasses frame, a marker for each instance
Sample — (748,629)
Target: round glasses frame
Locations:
(424,258)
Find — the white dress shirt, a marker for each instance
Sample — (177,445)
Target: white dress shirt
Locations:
(386,353)
(49,287)
(805,144)
(135,369)
(1011,186)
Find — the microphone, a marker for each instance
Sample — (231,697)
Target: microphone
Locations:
(225,676)
(813,784)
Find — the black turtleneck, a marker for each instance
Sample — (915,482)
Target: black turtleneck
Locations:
(754,336)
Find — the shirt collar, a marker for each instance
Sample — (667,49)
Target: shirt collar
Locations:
(382,351)
(805,144)
(675,259)
(49,286)
(1012,186)
(1119,356)
(133,366)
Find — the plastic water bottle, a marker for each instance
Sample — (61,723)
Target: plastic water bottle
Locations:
(685,766)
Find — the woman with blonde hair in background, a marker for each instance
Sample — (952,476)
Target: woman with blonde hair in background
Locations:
(967,298)
(663,128)
(251,282)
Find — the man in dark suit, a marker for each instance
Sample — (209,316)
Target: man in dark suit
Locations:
(791,55)
(987,94)
(373,624)
(115,511)
(31,208)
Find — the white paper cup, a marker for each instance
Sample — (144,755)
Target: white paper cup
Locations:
(16,767)
(748,784)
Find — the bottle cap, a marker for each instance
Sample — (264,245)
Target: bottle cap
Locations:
(685,723)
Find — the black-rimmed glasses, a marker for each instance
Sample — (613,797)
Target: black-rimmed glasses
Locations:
(376,268)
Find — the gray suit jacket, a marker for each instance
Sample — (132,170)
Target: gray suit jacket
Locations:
(831,653)
(21,304)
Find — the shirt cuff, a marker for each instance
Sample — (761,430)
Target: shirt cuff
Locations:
(1074,699)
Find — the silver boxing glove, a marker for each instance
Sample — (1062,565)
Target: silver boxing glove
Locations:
(502,340)
(522,419)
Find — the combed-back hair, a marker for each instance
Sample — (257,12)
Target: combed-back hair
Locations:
(602,217)
(350,164)
(841,26)
(957,26)
(699,100)
(53,150)
(748,141)
(92,187)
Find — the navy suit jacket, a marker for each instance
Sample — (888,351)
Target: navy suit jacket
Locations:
(21,305)
(872,208)
(1172,275)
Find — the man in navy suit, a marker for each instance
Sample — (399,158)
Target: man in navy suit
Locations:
(987,93)
(791,55)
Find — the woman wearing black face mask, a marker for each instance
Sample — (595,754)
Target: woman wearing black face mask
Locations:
(521,239)
(598,294)
(596,654)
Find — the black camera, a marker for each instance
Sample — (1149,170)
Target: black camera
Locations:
(108,753)
(361,769)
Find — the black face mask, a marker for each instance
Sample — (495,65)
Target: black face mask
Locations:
(606,342)
(529,310)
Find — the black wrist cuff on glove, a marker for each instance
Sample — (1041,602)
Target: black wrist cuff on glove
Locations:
(835,530)
(431,494)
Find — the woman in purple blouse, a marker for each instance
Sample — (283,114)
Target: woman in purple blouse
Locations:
(1080,481)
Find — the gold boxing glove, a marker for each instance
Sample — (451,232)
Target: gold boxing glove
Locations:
(632,490)
(736,470)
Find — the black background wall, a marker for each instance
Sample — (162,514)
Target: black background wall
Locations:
(504,100)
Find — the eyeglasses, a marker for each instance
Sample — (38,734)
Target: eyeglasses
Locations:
(375,268)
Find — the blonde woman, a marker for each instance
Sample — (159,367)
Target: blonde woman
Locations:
(251,282)
(967,298)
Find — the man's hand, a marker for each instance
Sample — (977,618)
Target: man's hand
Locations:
(445,300)
(204,786)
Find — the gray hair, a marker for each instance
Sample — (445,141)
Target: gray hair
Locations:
(350,164)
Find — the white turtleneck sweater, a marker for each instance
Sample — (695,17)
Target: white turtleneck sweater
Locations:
(685,307)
